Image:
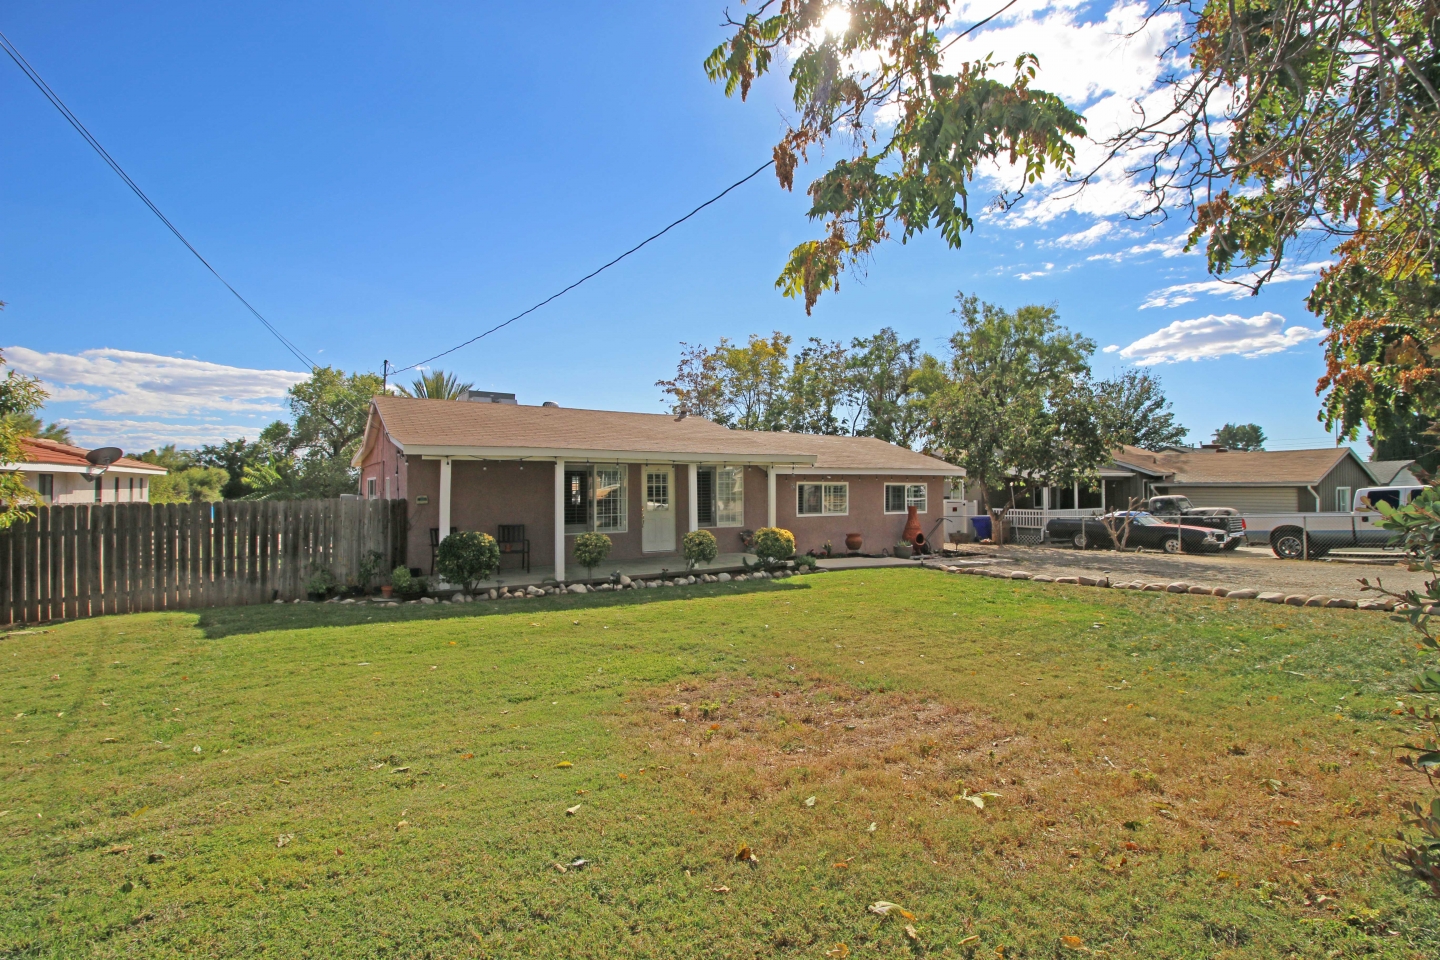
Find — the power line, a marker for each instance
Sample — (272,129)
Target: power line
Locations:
(59,104)
(756,172)
(598,270)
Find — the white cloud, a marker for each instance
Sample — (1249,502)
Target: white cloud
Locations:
(1083,238)
(138,435)
(1170,247)
(1180,293)
(125,382)
(1206,338)
(1032,274)
(1113,348)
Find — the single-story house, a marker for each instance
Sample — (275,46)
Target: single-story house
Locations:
(59,473)
(1257,481)
(1393,473)
(643,479)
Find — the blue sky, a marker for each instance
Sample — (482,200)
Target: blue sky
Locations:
(383,181)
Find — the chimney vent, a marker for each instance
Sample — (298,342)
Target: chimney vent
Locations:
(550,403)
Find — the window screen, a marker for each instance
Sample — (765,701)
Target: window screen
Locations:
(577,498)
(822,499)
(1342,499)
(610,499)
(894,498)
(730,497)
(705,497)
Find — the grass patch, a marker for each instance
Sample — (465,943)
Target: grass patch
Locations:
(1160,777)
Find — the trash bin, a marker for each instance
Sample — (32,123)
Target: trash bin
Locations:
(982,527)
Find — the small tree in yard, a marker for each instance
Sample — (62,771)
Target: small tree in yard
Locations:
(700,547)
(591,549)
(467,557)
(1118,527)
(773,546)
(1418,853)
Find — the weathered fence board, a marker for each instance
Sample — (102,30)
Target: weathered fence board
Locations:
(85,560)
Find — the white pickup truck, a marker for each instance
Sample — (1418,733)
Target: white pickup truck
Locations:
(1310,536)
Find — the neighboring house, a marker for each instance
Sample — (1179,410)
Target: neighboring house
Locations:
(643,479)
(1260,481)
(1393,473)
(59,473)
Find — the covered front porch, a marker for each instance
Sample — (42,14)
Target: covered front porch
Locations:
(543,504)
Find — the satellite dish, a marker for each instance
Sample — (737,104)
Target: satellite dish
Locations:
(100,459)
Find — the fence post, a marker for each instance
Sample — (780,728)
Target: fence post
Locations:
(1305,536)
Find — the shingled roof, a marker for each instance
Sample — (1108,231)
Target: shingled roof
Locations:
(458,428)
(54,453)
(1279,467)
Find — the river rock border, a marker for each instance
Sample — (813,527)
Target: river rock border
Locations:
(1387,604)
(533,591)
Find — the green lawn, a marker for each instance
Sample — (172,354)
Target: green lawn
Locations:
(1177,777)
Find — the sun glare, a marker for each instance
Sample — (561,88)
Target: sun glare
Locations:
(836,21)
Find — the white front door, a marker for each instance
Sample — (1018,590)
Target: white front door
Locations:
(658,523)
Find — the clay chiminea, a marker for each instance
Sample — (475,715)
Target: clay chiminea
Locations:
(912,527)
(853,542)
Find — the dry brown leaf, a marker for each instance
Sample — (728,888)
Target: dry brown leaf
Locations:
(720,889)
(1072,943)
(973,938)
(745,854)
(571,811)
(564,765)
(883,908)
(118,848)
(839,952)
(911,932)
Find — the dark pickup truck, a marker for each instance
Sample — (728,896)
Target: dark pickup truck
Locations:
(1144,531)
(1218,518)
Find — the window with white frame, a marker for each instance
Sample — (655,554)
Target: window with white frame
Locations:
(595,498)
(822,499)
(900,497)
(370,488)
(609,492)
(729,496)
(1342,499)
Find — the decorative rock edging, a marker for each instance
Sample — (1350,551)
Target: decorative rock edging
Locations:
(531,591)
(1386,605)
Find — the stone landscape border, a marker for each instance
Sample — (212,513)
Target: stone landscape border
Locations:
(1386,605)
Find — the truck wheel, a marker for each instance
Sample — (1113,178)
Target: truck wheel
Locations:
(1234,544)
(1288,543)
(1170,544)
(1081,541)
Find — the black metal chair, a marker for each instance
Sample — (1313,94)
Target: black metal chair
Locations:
(435,545)
(512,540)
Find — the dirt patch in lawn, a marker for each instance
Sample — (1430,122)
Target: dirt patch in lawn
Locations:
(820,728)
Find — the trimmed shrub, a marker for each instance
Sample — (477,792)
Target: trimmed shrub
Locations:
(591,549)
(774,545)
(466,557)
(405,583)
(700,547)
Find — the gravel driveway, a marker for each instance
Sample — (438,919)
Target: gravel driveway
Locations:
(1245,567)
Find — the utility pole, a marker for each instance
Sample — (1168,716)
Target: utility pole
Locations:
(385,375)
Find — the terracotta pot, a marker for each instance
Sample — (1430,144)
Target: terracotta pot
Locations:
(912,527)
(387,591)
(853,542)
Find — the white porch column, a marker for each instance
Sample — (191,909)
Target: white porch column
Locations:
(769,496)
(1044,498)
(694,497)
(1102,495)
(444,497)
(1077,494)
(560,520)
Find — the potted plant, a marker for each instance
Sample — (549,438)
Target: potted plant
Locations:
(465,558)
(904,550)
(591,549)
(700,547)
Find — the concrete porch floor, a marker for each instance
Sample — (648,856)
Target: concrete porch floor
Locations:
(511,574)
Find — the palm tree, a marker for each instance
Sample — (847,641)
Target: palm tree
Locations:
(436,385)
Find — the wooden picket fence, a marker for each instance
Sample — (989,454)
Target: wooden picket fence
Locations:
(87,560)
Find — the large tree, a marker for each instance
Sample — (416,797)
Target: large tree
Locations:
(311,458)
(1133,410)
(19,395)
(435,385)
(1310,123)
(1241,436)
(887,392)
(30,425)
(867,82)
(1018,399)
